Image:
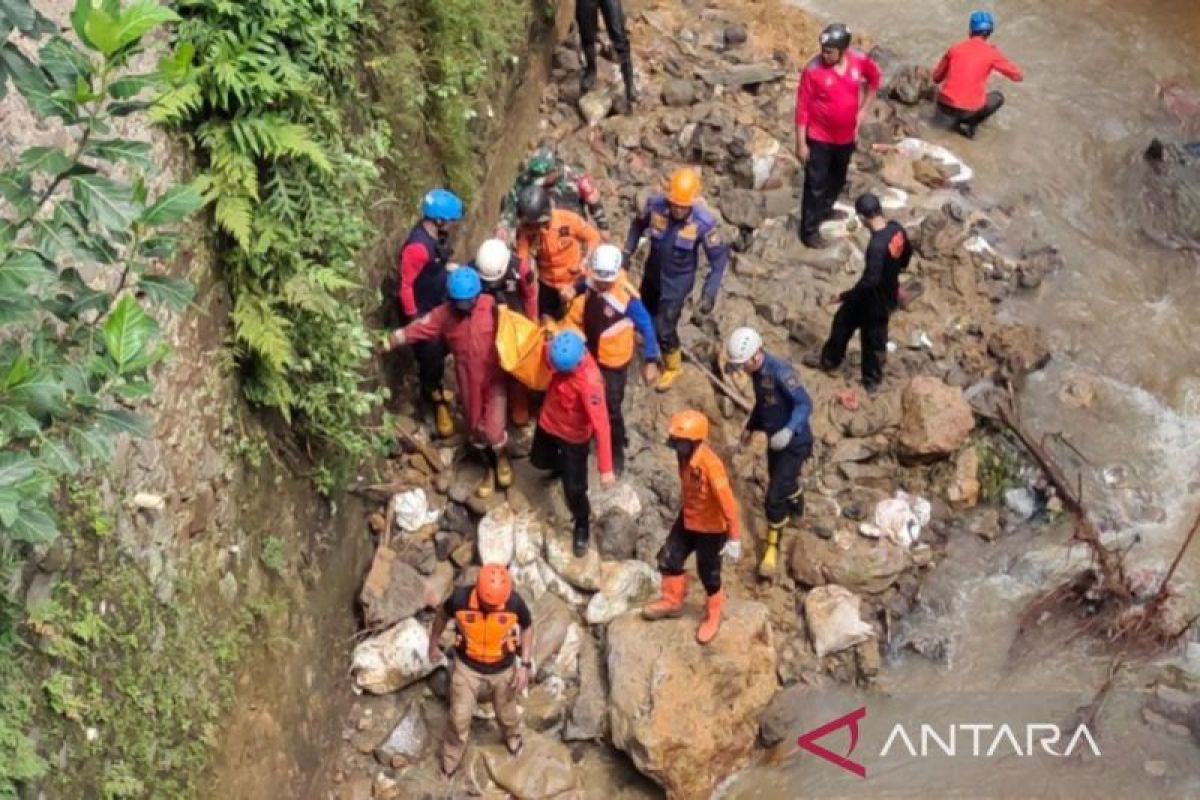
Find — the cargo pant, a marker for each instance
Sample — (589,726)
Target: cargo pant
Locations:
(467,688)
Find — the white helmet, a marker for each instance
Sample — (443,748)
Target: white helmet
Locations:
(492,259)
(743,344)
(606,262)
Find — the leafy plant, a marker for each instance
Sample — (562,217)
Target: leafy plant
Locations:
(272,554)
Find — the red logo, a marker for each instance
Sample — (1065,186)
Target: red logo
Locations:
(809,741)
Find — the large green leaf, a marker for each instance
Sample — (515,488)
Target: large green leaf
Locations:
(20,14)
(23,269)
(56,455)
(39,389)
(15,187)
(175,293)
(131,86)
(127,150)
(128,331)
(66,64)
(17,422)
(34,526)
(50,160)
(107,202)
(174,205)
(17,309)
(118,420)
(79,19)
(10,500)
(93,444)
(112,32)
(34,86)
(15,467)
(76,297)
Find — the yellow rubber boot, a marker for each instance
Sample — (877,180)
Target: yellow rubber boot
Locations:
(766,567)
(672,369)
(670,603)
(712,618)
(441,413)
(504,474)
(487,487)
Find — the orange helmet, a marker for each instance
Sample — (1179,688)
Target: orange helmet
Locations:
(689,424)
(685,187)
(494,585)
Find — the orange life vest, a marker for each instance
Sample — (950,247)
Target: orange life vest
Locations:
(610,338)
(486,636)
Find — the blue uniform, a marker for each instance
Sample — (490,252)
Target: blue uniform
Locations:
(670,271)
(780,401)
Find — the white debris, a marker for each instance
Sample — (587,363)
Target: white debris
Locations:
(833,619)
(393,659)
(899,519)
(411,510)
(919,148)
(495,538)
(149,502)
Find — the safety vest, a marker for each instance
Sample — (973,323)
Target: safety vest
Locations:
(429,289)
(604,319)
(486,636)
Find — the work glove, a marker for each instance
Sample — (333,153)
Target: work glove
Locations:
(706,306)
(732,550)
(780,438)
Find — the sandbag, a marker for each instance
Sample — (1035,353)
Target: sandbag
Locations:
(521,345)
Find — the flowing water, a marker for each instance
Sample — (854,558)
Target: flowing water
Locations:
(1066,153)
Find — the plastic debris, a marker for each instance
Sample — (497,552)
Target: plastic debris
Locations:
(899,519)
(411,510)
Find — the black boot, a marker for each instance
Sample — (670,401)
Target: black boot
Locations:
(579,542)
(587,81)
(631,95)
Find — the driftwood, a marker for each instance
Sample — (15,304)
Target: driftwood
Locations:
(727,390)
(435,463)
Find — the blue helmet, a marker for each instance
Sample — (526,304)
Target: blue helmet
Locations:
(463,284)
(442,205)
(982,23)
(566,351)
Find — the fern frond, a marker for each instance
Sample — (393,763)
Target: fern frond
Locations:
(263,332)
(235,217)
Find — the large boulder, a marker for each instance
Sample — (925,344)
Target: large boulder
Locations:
(625,584)
(393,590)
(542,770)
(935,419)
(589,712)
(551,619)
(392,660)
(848,559)
(496,536)
(687,714)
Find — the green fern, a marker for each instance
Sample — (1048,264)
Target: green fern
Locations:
(260,330)
(234,215)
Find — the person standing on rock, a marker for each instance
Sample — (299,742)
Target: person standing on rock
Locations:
(680,226)
(707,525)
(866,307)
(586,18)
(559,242)
(493,625)
(568,187)
(424,258)
(834,97)
(510,281)
(467,323)
(781,410)
(608,312)
(963,73)
(573,414)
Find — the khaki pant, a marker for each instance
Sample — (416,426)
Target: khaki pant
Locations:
(467,687)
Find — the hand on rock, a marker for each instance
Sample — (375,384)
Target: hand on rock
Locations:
(781,438)
(732,551)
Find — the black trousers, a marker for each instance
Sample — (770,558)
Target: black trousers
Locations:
(784,498)
(873,336)
(681,543)
(570,461)
(586,17)
(824,179)
(550,302)
(665,312)
(431,365)
(614,396)
(970,119)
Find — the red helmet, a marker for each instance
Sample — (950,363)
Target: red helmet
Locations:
(494,585)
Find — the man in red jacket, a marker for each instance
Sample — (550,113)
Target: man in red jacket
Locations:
(835,93)
(573,413)
(467,324)
(963,73)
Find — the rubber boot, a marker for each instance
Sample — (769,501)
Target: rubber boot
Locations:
(587,81)
(487,487)
(504,474)
(579,539)
(443,421)
(712,618)
(672,369)
(670,601)
(631,95)
(766,567)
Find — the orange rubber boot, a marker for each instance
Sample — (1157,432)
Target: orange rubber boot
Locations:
(670,604)
(712,618)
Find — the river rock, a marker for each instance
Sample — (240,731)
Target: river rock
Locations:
(407,741)
(935,419)
(582,573)
(832,614)
(551,619)
(1019,349)
(496,534)
(862,565)
(781,717)
(588,719)
(439,585)
(542,770)
(393,659)
(964,491)
(625,584)
(666,692)
(616,535)
(741,75)
(678,92)
(909,85)
(393,590)
(595,106)
(620,497)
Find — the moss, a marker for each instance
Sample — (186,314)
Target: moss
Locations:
(1000,463)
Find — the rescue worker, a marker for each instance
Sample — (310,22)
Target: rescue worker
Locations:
(509,280)
(559,242)
(424,257)
(608,311)
(568,187)
(493,652)
(708,525)
(781,411)
(573,414)
(614,22)
(865,307)
(834,97)
(467,323)
(963,73)
(679,226)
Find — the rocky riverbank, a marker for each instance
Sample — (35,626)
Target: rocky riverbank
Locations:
(893,478)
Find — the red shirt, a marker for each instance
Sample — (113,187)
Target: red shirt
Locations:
(828,101)
(965,69)
(574,410)
(413,259)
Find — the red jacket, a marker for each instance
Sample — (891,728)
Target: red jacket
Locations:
(965,69)
(828,103)
(574,410)
(472,340)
